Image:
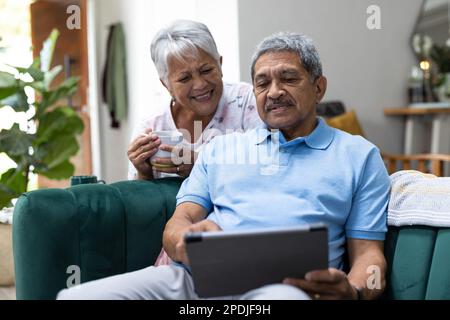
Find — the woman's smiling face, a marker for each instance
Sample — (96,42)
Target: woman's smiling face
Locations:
(195,82)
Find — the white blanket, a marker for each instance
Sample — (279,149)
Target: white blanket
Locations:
(419,199)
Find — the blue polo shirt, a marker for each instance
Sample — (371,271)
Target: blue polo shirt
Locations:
(258,179)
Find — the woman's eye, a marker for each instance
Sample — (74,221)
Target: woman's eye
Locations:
(184,79)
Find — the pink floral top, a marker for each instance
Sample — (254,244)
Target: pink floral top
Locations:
(236,111)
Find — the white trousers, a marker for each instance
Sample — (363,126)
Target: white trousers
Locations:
(169,282)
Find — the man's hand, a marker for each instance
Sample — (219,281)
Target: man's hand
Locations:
(184,160)
(202,226)
(335,284)
(331,284)
(140,150)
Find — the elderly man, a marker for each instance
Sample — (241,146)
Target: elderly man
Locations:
(317,174)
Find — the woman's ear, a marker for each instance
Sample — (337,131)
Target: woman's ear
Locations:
(163,83)
(167,87)
(220,61)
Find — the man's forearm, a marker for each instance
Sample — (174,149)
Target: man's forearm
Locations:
(368,274)
(183,219)
(174,231)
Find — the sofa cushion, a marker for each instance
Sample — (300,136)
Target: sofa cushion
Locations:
(347,122)
(418,259)
(102,229)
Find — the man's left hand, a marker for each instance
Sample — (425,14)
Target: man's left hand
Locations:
(330,284)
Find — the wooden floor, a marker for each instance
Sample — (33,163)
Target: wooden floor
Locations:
(7,293)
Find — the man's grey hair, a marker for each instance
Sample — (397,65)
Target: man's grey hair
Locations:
(293,42)
(179,40)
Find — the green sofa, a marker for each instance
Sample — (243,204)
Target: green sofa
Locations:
(116,228)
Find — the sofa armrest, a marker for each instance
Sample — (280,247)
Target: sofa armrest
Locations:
(101,229)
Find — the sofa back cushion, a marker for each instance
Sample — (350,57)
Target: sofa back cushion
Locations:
(102,229)
(418,263)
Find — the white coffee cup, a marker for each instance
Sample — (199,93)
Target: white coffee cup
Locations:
(168,137)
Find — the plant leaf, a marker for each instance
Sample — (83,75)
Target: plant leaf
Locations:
(61,121)
(17,101)
(56,151)
(64,90)
(36,63)
(38,86)
(7,80)
(15,142)
(12,184)
(8,84)
(6,194)
(49,76)
(62,171)
(48,48)
(35,73)
(14,178)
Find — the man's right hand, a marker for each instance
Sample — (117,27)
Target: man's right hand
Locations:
(202,226)
(139,152)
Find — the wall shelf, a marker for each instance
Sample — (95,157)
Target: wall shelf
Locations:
(416,137)
(415,111)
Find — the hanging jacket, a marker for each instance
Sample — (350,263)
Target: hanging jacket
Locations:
(114,82)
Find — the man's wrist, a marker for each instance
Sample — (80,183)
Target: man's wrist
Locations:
(358,293)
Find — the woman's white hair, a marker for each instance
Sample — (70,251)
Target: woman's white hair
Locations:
(181,39)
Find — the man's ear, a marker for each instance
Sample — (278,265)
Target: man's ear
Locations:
(220,61)
(321,88)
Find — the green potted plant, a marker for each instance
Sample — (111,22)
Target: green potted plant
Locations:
(50,140)
(440,55)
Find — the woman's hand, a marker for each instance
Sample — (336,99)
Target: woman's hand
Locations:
(181,162)
(330,284)
(140,150)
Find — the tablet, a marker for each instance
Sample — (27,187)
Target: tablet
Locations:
(228,263)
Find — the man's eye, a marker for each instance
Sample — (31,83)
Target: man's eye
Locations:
(290,80)
(205,71)
(261,84)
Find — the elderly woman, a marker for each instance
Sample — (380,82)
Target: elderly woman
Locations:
(189,67)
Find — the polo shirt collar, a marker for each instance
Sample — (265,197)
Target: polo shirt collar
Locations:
(320,138)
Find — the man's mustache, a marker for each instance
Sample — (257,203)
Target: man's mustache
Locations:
(272,104)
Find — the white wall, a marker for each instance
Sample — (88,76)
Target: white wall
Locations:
(366,69)
(141,19)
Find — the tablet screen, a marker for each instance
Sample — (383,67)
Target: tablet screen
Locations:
(233,262)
